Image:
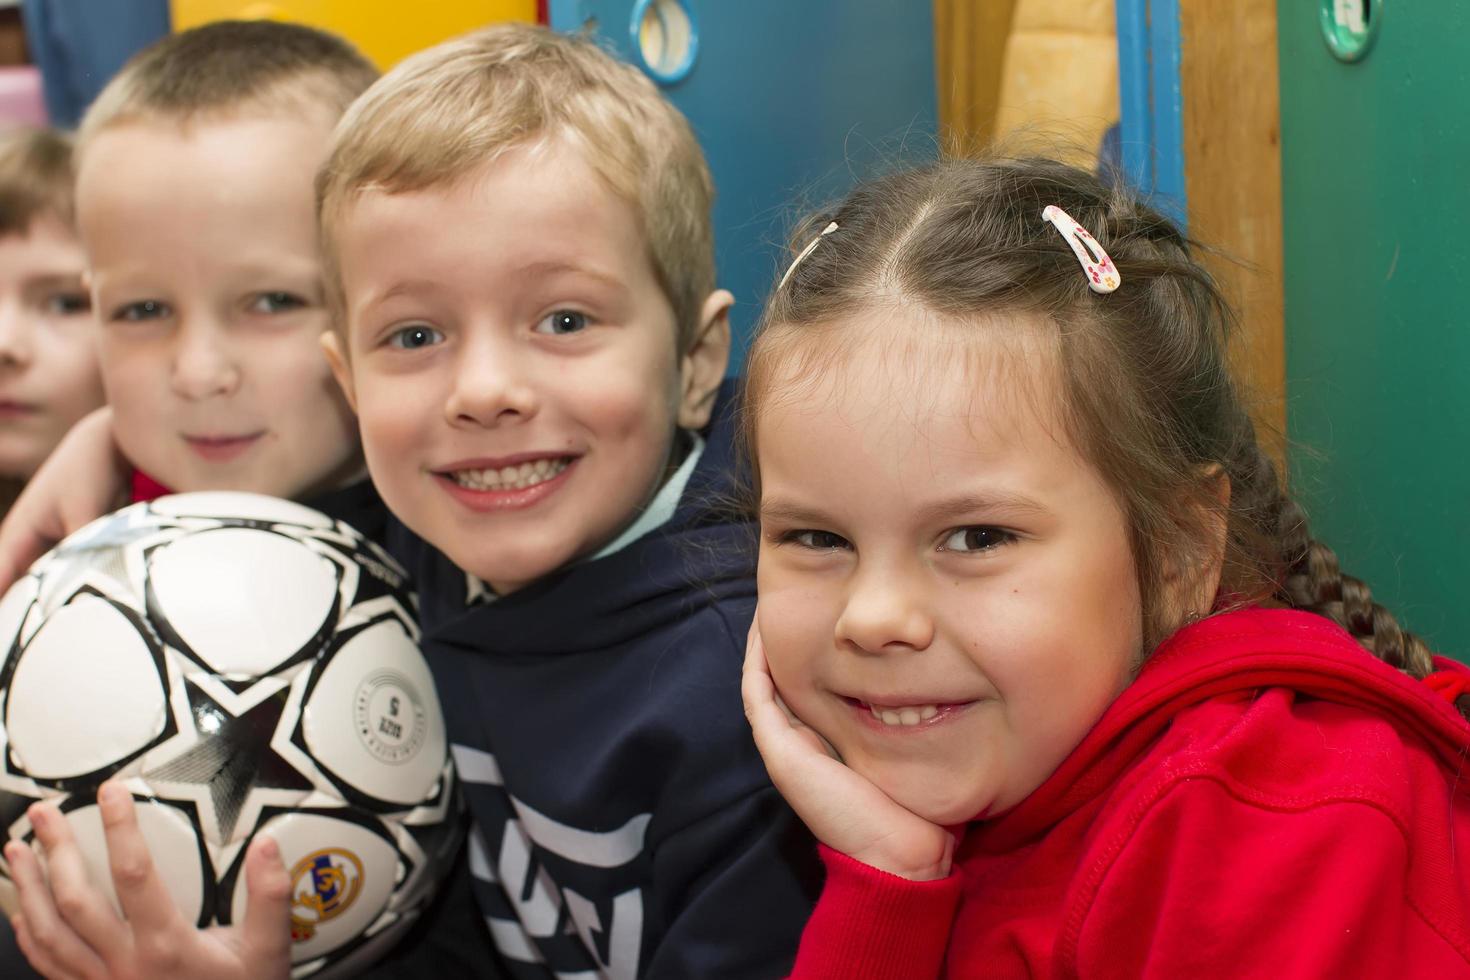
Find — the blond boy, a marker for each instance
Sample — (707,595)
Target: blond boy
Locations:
(517,230)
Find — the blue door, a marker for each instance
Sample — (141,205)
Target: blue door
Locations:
(791,100)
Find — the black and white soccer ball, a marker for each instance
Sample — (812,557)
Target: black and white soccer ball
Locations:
(245,664)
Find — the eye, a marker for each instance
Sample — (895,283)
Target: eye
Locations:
(148,309)
(415,337)
(68,304)
(816,540)
(967,540)
(276,302)
(563,322)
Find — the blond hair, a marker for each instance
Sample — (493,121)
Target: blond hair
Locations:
(452,109)
(229,66)
(36,178)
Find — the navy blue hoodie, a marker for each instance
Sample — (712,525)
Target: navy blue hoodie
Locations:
(623,821)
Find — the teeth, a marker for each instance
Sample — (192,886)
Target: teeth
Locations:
(904,717)
(511,477)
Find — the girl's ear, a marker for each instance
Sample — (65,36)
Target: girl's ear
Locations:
(702,363)
(1193,579)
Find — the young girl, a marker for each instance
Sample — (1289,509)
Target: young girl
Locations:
(1045,656)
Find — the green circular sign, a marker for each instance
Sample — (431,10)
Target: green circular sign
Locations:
(1349,26)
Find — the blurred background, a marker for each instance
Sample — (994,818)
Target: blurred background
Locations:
(1316,143)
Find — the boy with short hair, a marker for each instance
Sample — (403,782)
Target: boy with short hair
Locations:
(48,362)
(517,236)
(195,171)
(195,204)
(517,228)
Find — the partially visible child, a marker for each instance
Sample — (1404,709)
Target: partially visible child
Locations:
(48,358)
(1072,690)
(517,232)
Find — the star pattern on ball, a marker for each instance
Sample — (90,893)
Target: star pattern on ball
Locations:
(231,765)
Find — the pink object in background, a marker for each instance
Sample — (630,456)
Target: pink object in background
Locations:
(21,102)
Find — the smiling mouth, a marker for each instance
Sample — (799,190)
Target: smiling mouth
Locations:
(908,715)
(521,477)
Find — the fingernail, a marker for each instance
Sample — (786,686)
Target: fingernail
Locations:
(112,795)
(269,849)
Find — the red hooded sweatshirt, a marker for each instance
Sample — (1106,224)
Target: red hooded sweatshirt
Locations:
(1265,800)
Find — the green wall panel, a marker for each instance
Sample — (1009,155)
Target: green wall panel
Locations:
(1376,209)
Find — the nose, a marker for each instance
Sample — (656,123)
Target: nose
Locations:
(885,612)
(16,348)
(491,385)
(204,363)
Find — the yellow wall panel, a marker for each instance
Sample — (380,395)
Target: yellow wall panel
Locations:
(1059,83)
(384,30)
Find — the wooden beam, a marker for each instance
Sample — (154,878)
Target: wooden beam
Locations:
(1230,88)
(969,48)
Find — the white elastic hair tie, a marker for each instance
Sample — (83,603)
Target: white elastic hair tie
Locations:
(811,247)
(1097,265)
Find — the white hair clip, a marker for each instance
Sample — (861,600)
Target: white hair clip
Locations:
(804,253)
(1097,265)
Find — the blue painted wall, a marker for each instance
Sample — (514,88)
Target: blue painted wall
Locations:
(791,99)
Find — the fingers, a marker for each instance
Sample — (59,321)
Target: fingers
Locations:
(76,897)
(144,898)
(757,689)
(48,942)
(771,723)
(267,925)
(19,546)
(41,961)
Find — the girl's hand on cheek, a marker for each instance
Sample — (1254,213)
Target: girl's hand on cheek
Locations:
(841,808)
(68,929)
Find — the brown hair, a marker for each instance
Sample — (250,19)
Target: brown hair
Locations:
(453,108)
(1148,393)
(36,178)
(228,66)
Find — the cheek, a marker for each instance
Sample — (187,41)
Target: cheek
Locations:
(73,366)
(134,385)
(629,389)
(383,428)
(796,623)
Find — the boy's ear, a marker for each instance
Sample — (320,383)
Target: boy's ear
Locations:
(1192,586)
(702,365)
(331,342)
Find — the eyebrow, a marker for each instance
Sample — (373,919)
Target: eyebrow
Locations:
(552,267)
(51,280)
(407,287)
(949,508)
(1004,501)
(410,287)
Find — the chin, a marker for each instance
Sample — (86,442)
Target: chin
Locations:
(509,571)
(932,804)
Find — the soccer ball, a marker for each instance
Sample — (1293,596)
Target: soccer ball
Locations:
(247,665)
